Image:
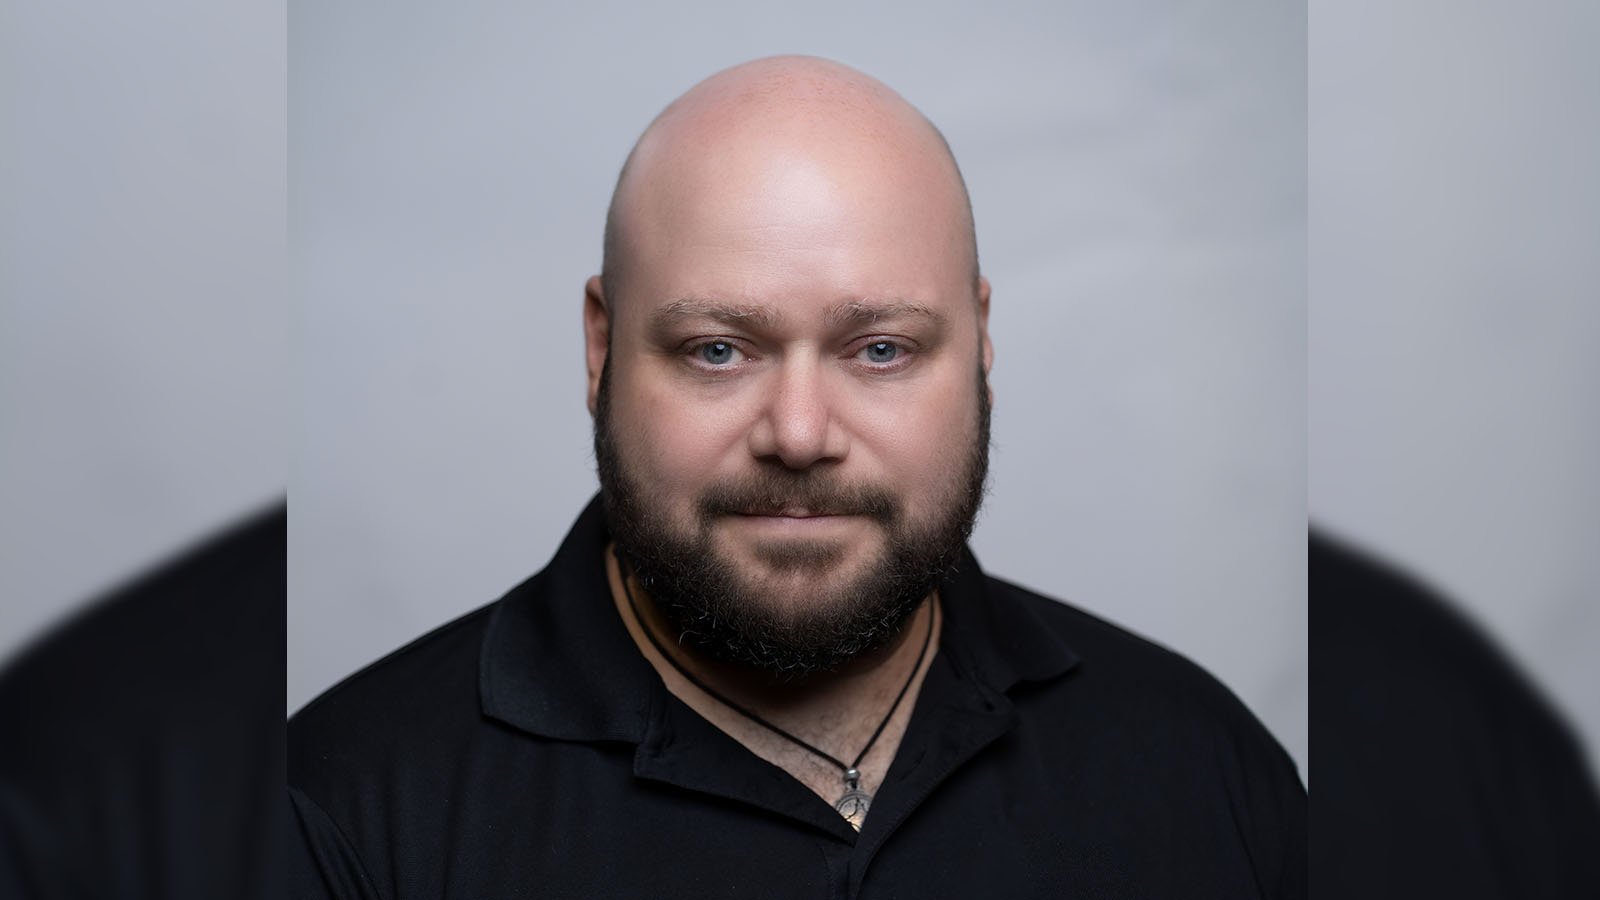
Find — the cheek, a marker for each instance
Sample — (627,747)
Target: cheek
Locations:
(922,439)
(673,442)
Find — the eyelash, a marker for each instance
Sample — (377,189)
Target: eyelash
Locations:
(694,349)
(697,348)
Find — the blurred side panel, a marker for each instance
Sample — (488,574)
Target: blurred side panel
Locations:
(142,372)
(1454,433)
(143,339)
(1455,311)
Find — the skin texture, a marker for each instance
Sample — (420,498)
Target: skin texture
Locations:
(791,309)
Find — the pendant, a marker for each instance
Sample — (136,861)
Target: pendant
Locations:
(853,805)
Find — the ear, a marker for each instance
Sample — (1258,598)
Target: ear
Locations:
(596,334)
(983,331)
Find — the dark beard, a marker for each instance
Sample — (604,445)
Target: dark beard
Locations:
(707,600)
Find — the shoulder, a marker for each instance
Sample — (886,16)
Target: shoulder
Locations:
(1138,692)
(1137,725)
(157,695)
(1429,729)
(1406,645)
(398,706)
(375,764)
(1111,657)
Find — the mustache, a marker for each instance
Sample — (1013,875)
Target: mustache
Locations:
(772,493)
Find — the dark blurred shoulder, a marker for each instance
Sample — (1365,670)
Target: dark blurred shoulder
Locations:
(142,751)
(1445,771)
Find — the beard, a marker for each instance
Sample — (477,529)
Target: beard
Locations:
(732,617)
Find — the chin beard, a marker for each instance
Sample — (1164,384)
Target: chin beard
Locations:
(724,613)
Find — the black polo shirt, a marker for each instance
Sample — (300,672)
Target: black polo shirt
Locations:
(529,750)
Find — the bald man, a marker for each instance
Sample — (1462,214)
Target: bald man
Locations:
(764,662)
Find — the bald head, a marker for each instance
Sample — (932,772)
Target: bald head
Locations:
(785,147)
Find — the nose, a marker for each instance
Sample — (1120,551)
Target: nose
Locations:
(798,425)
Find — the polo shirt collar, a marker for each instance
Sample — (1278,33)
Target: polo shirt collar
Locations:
(558,662)
(1004,643)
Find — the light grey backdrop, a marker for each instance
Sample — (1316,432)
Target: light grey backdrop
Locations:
(1455,352)
(142,325)
(1138,175)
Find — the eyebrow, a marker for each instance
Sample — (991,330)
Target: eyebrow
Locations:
(729,313)
(847,313)
(870,311)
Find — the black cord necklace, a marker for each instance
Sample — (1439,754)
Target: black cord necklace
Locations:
(853,805)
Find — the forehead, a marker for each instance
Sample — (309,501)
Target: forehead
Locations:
(771,196)
(786,227)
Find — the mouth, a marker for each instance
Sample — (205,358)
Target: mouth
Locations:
(791,512)
(794,520)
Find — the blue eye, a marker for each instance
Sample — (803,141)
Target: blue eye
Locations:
(717,353)
(881,351)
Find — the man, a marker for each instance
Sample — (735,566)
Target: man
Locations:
(763,663)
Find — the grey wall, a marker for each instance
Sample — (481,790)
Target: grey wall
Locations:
(142,327)
(1456,215)
(1138,173)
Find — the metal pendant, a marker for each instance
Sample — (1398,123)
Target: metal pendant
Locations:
(853,805)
